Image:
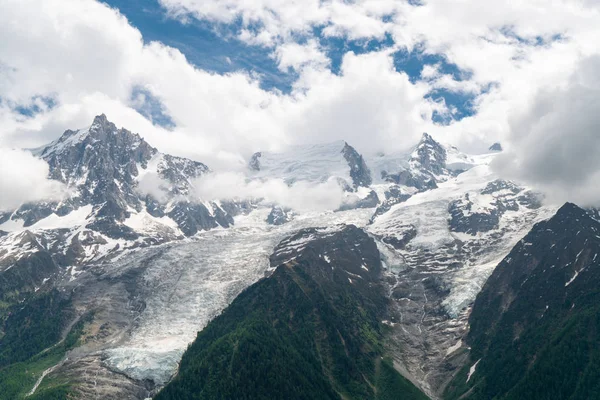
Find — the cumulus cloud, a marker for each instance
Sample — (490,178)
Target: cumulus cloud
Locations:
(301,196)
(510,49)
(218,119)
(152,184)
(370,105)
(88,60)
(24,179)
(296,56)
(272,21)
(555,143)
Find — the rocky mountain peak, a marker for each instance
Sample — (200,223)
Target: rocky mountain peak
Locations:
(430,155)
(496,147)
(102,166)
(101,147)
(254,163)
(569,219)
(359,172)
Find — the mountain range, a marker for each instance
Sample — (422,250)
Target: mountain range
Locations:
(432,277)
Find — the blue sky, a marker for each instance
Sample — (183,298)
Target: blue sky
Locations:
(215,47)
(209,46)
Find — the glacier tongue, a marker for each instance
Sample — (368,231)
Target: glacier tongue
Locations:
(190,282)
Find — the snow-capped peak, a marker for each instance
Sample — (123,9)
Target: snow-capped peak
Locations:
(496,147)
(103,166)
(313,163)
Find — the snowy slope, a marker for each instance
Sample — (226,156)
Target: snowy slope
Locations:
(313,163)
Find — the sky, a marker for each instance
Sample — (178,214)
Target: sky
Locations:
(217,80)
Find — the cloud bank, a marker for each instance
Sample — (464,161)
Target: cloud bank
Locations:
(74,60)
(302,196)
(556,142)
(24,179)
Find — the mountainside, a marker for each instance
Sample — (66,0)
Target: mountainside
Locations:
(128,266)
(534,328)
(310,330)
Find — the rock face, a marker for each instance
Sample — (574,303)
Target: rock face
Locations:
(371,200)
(359,172)
(535,320)
(254,163)
(425,168)
(496,147)
(278,216)
(111,169)
(394,195)
(429,157)
(481,213)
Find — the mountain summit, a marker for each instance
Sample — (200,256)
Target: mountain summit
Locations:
(120,176)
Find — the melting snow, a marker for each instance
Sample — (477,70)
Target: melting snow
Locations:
(472,370)
(452,349)
(572,279)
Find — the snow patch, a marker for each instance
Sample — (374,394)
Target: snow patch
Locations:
(472,370)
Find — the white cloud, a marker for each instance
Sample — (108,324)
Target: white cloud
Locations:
(301,196)
(24,179)
(152,184)
(64,48)
(514,45)
(369,105)
(220,119)
(89,59)
(280,20)
(555,143)
(297,56)
(519,47)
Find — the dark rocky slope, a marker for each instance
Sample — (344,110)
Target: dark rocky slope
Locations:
(535,326)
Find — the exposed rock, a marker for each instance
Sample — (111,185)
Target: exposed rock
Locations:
(101,166)
(394,195)
(279,216)
(498,185)
(474,214)
(426,167)
(463,219)
(430,156)
(496,147)
(359,172)
(369,201)
(254,163)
